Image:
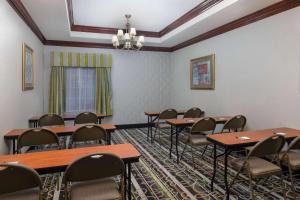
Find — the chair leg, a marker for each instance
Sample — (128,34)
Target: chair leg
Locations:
(292,181)
(251,187)
(282,186)
(235,177)
(192,150)
(183,150)
(203,152)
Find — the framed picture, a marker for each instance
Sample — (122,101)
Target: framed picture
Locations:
(202,73)
(27,68)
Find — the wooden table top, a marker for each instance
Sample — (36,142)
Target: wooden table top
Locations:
(179,112)
(58,160)
(191,121)
(66,117)
(59,130)
(234,139)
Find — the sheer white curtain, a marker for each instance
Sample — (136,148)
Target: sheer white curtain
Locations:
(80,89)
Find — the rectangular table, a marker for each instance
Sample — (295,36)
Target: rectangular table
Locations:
(33,121)
(179,124)
(152,117)
(59,130)
(232,141)
(57,160)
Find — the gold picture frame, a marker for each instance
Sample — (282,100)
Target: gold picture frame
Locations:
(202,73)
(27,67)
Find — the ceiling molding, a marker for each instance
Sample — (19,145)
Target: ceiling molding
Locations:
(99,45)
(274,9)
(248,19)
(20,9)
(200,8)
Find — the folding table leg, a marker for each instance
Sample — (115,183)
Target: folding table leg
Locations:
(215,169)
(148,125)
(225,173)
(171,147)
(176,143)
(129,181)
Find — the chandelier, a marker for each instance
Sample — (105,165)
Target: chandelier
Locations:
(128,40)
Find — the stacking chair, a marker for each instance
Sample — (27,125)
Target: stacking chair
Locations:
(86,118)
(19,183)
(92,177)
(235,124)
(161,124)
(291,159)
(193,113)
(197,135)
(37,138)
(51,120)
(258,168)
(88,133)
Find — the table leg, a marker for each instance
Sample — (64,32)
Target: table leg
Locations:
(171,138)
(125,182)
(129,181)
(148,124)
(99,120)
(225,173)
(14,150)
(215,169)
(108,138)
(176,143)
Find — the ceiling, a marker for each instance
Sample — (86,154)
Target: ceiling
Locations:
(53,19)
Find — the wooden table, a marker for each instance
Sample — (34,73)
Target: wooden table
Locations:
(178,125)
(59,130)
(33,121)
(57,160)
(152,117)
(232,141)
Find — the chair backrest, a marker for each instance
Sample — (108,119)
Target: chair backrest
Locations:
(269,146)
(51,120)
(193,113)
(94,166)
(204,125)
(295,144)
(14,177)
(37,137)
(168,114)
(89,133)
(86,118)
(236,123)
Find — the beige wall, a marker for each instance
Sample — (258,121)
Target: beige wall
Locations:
(257,73)
(17,106)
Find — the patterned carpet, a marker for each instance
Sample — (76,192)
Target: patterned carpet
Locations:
(157,176)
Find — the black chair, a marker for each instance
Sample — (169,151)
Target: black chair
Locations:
(86,118)
(51,120)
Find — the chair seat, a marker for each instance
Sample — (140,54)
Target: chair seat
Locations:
(164,125)
(294,158)
(258,167)
(29,194)
(104,189)
(199,140)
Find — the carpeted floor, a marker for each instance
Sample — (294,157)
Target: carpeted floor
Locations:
(157,176)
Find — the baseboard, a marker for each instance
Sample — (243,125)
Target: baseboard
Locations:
(127,126)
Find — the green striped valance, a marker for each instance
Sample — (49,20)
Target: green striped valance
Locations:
(73,59)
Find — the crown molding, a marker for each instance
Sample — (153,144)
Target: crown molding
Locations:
(20,9)
(99,45)
(269,11)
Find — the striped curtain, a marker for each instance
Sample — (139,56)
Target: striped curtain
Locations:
(102,64)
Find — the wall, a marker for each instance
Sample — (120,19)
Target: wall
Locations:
(17,106)
(257,73)
(140,82)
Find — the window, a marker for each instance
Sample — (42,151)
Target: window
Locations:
(80,85)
